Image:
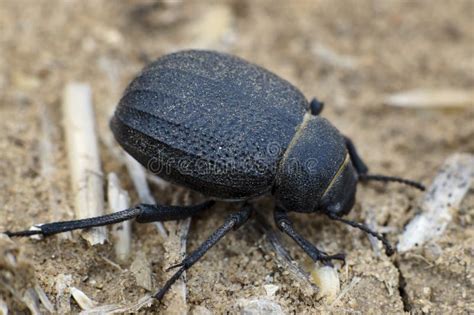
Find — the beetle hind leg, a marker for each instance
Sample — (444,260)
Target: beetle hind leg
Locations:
(142,213)
(233,222)
(284,224)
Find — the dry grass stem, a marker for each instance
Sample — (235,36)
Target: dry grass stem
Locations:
(122,232)
(440,202)
(138,175)
(83,157)
(82,299)
(44,299)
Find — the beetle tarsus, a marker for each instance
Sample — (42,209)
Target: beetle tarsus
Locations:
(175,266)
(285,225)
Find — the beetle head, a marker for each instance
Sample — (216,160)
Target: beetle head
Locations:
(339,197)
(315,173)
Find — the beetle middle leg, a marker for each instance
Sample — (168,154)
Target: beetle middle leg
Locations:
(233,222)
(284,223)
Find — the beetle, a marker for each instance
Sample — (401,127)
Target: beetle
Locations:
(232,130)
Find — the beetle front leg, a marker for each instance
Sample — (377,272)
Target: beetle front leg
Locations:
(233,222)
(356,160)
(285,225)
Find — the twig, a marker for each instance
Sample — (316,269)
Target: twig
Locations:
(31,300)
(145,301)
(63,296)
(175,247)
(440,202)
(432,98)
(3,307)
(118,201)
(138,175)
(83,156)
(44,299)
(82,299)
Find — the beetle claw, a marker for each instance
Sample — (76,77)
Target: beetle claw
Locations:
(175,266)
(326,259)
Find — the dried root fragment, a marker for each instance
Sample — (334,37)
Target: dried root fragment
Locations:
(440,201)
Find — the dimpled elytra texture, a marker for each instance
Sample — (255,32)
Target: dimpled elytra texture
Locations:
(205,119)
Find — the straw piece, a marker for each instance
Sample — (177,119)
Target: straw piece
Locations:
(440,202)
(431,98)
(3,307)
(30,298)
(44,299)
(118,201)
(138,175)
(83,156)
(82,299)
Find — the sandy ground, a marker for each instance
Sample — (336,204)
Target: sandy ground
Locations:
(348,53)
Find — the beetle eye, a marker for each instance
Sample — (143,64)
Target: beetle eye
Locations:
(340,197)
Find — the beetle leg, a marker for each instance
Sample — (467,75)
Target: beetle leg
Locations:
(233,222)
(316,107)
(284,224)
(356,160)
(143,213)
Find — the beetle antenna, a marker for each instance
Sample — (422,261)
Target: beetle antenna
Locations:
(383,178)
(388,247)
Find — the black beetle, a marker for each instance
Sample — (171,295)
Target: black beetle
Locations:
(232,130)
